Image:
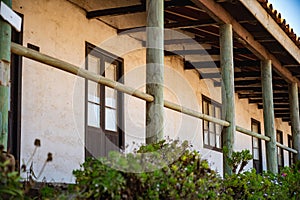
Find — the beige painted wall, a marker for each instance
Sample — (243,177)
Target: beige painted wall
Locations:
(53,101)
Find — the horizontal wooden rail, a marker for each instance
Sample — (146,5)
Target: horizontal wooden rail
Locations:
(62,65)
(263,137)
(194,113)
(247,132)
(67,67)
(286,148)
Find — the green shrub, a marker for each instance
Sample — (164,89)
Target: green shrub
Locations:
(181,175)
(10,186)
(170,170)
(289,179)
(97,180)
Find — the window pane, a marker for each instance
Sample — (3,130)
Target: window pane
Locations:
(93,115)
(255,142)
(94,64)
(110,71)
(218,141)
(254,128)
(110,94)
(212,139)
(255,154)
(218,136)
(218,112)
(212,127)
(279,160)
(205,111)
(211,110)
(110,97)
(206,137)
(110,119)
(93,92)
(218,129)
(205,125)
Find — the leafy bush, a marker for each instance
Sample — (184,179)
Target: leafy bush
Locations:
(179,173)
(289,179)
(239,159)
(250,185)
(186,177)
(10,186)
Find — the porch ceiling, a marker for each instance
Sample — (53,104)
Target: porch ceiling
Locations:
(186,17)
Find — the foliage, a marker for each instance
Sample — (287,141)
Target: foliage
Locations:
(186,177)
(164,170)
(238,159)
(97,179)
(10,186)
(250,185)
(289,179)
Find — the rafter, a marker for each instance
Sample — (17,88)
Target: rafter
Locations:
(218,13)
(132,9)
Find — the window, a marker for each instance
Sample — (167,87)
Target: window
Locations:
(279,150)
(256,147)
(103,104)
(291,155)
(212,137)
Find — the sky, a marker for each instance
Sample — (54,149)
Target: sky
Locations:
(290,10)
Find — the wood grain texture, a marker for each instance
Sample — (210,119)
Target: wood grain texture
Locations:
(295,120)
(228,103)
(155,70)
(268,110)
(5,53)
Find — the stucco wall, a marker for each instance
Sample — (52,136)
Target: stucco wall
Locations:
(53,101)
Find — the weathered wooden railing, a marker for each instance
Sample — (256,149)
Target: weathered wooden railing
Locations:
(67,67)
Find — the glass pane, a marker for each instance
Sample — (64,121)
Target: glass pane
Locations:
(218,129)
(255,154)
(205,125)
(205,111)
(211,110)
(211,127)
(94,64)
(93,115)
(110,71)
(218,141)
(110,119)
(255,142)
(279,160)
(218,112)
(255,128)
(110,97)
(206,137)
(93,92)
(110,94)
(212,140)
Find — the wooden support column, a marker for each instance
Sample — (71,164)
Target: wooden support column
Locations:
(268,109)
(294,112)
(5,41)
(228,105)
(155,70)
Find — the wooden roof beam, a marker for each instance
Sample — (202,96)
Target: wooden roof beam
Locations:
(213,64)
(274,29)
(218,13)
(132,9)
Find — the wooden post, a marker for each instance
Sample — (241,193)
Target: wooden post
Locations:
(294,112)
(155,70)
(268,109)
(5,40)
(228,107)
